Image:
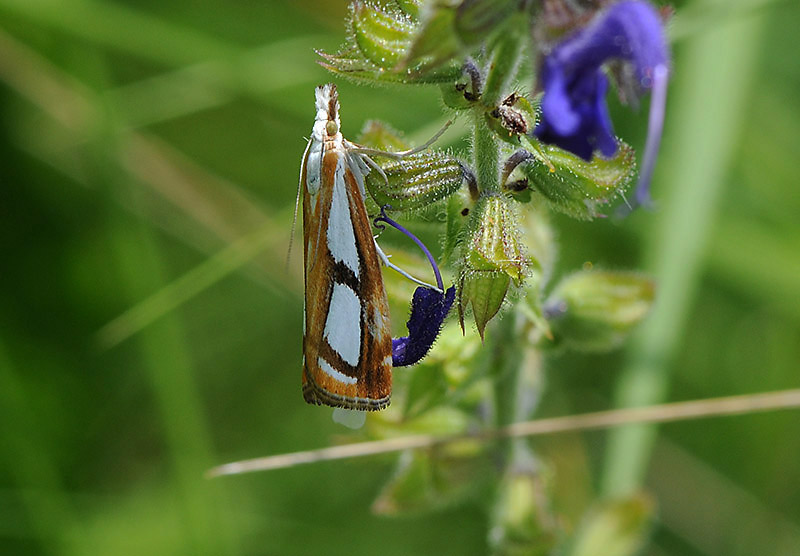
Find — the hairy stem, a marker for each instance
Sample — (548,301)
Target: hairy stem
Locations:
(486,153)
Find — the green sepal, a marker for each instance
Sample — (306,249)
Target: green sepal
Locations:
(350,63)
(450,28)
(575,187)
(453,95)
(494,242)
(492,257)
(519,191)
(415,181)
(485,291)
(382,35)
(614,528)
(595,310)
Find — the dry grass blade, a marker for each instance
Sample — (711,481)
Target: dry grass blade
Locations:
(679,411)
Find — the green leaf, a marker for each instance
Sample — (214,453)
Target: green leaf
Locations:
(575,187)
(427,388)
(594,310)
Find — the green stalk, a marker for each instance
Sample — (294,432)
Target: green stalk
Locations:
(486,153)
(503,68)
(520,517)
(714,72)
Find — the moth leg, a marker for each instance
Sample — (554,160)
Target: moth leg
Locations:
(375,165)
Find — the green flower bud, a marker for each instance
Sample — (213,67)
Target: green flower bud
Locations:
(476,19)
(382,35)
(617,528)
(493,256)
(595,310)
(576,187)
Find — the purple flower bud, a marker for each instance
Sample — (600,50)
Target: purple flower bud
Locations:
(574,111)
(428,311)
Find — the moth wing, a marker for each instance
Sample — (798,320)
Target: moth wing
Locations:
(347,345)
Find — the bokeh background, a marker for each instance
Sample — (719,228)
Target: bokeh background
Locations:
(148,329)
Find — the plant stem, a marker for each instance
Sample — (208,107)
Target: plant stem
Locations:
(505,59)
(520,513)
(486,154)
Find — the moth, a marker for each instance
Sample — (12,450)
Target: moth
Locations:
(347,343)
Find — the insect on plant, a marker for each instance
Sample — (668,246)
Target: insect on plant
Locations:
(347,343)
(547,147)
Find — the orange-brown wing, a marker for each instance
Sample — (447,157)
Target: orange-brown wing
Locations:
(347,345)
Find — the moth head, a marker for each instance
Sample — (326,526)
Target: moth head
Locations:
(327,104)
(332,128)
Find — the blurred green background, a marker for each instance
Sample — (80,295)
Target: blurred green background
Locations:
(148,330)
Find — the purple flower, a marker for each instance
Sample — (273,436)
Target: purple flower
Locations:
(429,308)
(574,112)
(428,311)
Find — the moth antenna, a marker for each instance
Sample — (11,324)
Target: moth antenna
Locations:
(296,207)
